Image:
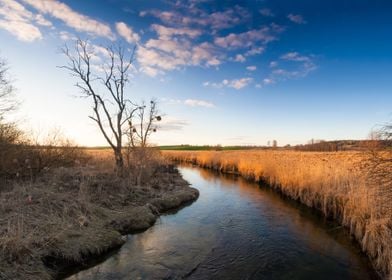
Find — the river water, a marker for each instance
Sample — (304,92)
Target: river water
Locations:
(235,230)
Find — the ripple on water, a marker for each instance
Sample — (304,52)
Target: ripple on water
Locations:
(235,230)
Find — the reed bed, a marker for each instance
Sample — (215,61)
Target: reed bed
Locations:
(335,183)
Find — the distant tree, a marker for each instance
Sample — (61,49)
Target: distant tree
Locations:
(274,143)
(379,166)
(104,85)
(9,133)
(8,100)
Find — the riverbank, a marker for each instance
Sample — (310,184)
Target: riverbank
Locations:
(333,183)
(69,216)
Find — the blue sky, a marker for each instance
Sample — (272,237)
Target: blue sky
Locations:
(224,72)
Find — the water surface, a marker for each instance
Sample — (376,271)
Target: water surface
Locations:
(235,230)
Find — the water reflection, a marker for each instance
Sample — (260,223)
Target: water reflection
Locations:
(234,231)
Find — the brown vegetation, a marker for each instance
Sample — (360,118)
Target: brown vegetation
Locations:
(338,184)
(67,215)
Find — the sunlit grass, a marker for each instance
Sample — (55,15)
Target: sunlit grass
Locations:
(335,183)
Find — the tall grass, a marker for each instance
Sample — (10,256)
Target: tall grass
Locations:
(335,183)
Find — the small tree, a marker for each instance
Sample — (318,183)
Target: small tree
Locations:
(109,108)
(379,167)
(10,135)
(142,123)
(142,160)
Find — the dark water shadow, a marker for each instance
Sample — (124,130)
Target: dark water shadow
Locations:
(237,230)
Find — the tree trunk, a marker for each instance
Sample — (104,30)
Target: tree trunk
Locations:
(119,162)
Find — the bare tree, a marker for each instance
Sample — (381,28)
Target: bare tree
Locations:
(9,133)
(142,123)
(110,111)
(379,166)
(141,159)
(8,101)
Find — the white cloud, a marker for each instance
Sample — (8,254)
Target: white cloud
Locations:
(214,62)
(235,83)
(22,30)
(239,58)
(296,18)
(225,19)
(266,12)
(240,83)
(152,58)
(164,54)
(71,18)
(254,51)
(20,22)
(246,39)
(168,32)
(194,16)
(251,68)
(205,52)
(268,81)
(179,34)
(42,21)
(189,102)
(150,71)
(179,50)
(127,33)
(198,103)
(295,56)
(66,36)
(171,124)
(292,66)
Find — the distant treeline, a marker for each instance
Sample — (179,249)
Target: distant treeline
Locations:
(342,145)
(314,146)
(206,148)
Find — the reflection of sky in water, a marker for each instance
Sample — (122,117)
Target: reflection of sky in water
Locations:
(235,230)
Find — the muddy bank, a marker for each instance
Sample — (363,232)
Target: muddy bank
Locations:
(72,216)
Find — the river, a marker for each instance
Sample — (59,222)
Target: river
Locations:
(235,230)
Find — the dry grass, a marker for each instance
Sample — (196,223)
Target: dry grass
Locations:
(335,183)
(69,214)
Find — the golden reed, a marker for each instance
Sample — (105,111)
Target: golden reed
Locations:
(334,183)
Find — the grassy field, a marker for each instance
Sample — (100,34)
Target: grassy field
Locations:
(337,183)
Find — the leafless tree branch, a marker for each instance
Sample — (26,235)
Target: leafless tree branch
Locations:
(109,110)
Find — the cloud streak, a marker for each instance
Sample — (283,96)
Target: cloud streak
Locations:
(298,19)
(189,102)
(71,18)
(235,83)
(247,39)
(127,33)
(20,22)
(292,65)
(198,103)
(172,124)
